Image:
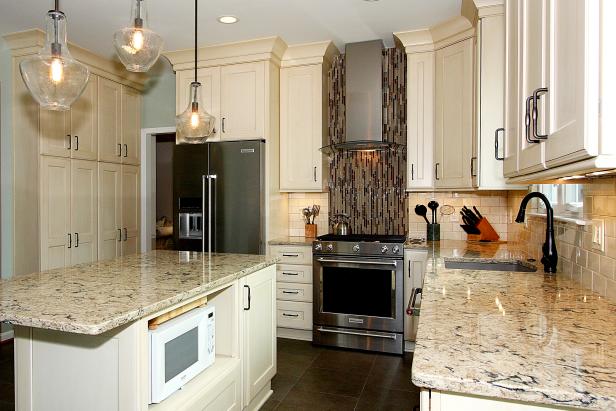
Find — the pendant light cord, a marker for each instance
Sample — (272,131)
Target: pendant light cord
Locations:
(57,5)
(195,40)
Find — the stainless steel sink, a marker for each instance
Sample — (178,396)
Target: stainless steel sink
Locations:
(516,266)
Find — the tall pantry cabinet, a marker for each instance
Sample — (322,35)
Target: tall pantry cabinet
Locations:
(63,200)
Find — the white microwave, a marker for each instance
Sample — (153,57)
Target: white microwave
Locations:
(180,349)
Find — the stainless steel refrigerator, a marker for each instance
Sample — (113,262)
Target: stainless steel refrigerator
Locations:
(219,197)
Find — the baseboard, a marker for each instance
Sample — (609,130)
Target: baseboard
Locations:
(260,399)
(293,334)
(6,335)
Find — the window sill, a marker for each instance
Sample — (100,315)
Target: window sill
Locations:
(571,220)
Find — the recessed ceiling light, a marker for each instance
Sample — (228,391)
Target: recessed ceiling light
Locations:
(371,1)
(228,19)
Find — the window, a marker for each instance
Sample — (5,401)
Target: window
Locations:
(566,199)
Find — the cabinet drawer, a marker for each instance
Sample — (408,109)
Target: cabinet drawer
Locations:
(296,315)
(294,292)
(294,273)
(293,254)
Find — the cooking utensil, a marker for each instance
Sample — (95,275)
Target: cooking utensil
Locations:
(307,213)
(433,205)
(477,212)
(316,209)
(421,210)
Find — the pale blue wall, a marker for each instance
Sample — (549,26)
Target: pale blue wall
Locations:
(158,102)
(6,160)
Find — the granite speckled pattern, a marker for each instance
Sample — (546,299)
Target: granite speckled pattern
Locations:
(292,241)
(521,336)
(94,298)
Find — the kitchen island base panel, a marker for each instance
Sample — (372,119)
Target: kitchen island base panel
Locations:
(433,400)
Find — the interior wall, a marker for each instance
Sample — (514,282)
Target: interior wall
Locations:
(164,179)
(6,162)
(158,100)
(297,201)
(577,259)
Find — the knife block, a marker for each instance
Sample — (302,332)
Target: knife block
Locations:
(487,232)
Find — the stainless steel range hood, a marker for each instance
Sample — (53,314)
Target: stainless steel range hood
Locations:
(364,98)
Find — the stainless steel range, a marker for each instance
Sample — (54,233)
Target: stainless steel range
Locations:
(358,292)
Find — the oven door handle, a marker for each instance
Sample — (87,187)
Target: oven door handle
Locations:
(326,260)
(389,336)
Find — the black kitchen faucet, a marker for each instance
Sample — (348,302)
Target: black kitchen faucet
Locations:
(550,255)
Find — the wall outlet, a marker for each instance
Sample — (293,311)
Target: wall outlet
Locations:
(598,235)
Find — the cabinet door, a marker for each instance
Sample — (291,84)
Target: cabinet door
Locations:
(109,121)
(55,212)
(84,127)
(573,82)
(420,133)
(259,329)
(130,209)
(55,133)
(109,211)
(454,116)
(210,93)
(84,209)
(301,128)
(513,100)
(533,76)
(242,101)
(131,125)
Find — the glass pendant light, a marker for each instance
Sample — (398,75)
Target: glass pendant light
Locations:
(194,125)
(137,46)
(53,77)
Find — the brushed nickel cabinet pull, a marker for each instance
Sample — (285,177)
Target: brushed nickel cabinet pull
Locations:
(76,143)
(125,150)
(496,156)
(119,234)
(68,137)
(125,234)
(119,150)
(436,171)
(70,240)
(76,240)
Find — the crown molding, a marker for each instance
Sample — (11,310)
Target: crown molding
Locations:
(29,42)
(268,48)
(436,37)
(322,52)
(474,10)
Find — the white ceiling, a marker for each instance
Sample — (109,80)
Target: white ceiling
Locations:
(91,23)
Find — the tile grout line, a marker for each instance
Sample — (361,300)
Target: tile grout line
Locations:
(366,381)
(298,379)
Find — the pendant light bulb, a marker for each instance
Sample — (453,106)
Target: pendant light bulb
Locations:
(137,46)
(53,77)
(194,125)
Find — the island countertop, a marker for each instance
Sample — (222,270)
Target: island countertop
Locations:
(519,336)
(98,297)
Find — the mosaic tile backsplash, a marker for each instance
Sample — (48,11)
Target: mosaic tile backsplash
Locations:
(595,269)
(370,186)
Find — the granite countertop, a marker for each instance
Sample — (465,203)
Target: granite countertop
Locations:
(510,335)
(94,298)
(292,241)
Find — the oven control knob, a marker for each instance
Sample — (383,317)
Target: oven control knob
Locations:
(356,248)
(318,247)
(396,249)
(330,247)
(384,249)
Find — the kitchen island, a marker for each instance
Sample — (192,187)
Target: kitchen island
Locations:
(490,340)
(81,333)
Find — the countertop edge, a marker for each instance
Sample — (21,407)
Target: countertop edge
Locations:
(134,315)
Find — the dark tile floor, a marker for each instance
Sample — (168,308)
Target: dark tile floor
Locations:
(308,378)
(316,378)
(7,389)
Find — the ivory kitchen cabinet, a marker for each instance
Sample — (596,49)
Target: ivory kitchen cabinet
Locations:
(68,212)
(73,133)
(242,101)
(119,116)
(118,210)
(512,126)
(259,335)
(454,164)
(303,116)
(209,77)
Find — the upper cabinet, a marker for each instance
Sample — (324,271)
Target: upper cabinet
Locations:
(239,86)
(73,133)
(303,116)
(131,126)
(242,101)
(556,66)
(454,163)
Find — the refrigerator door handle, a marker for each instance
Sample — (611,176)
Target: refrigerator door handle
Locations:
(209,177)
